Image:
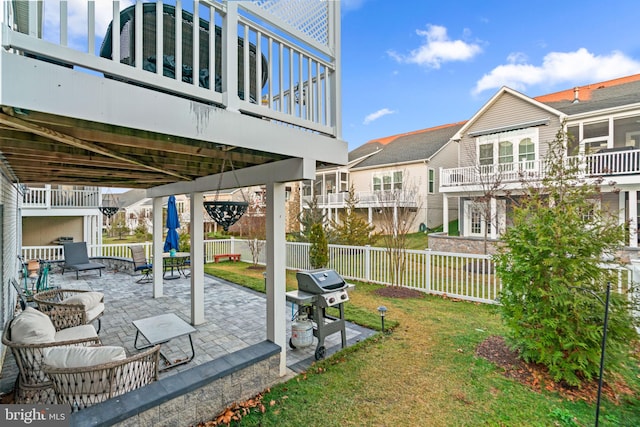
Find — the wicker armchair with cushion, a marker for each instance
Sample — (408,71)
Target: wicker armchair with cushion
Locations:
(27,335)
(71,307)
(82,377)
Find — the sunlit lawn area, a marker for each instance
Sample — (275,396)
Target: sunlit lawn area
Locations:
(424,373)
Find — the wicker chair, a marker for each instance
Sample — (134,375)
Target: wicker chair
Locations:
(65,314)
(33,386)
(80,387)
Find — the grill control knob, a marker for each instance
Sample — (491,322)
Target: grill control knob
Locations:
(332,300)
(343,296)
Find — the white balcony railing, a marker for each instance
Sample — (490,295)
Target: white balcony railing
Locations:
(288,68)
(625,162)
(366,199)
(45,198)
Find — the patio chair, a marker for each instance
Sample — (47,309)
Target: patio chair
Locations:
(141,264)
(27,335)
(76,257)
(24,299)
(81,378)
(71,307)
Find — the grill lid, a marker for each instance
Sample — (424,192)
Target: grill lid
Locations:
(320,281)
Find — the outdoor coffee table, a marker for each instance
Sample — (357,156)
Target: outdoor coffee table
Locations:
(162,329)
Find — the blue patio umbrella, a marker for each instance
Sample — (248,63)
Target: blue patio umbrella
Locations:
(173,223)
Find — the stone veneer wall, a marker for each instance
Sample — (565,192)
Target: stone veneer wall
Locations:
(441,242)
(467,245)
(192,396)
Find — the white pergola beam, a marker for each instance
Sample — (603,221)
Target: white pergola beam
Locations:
(282,171)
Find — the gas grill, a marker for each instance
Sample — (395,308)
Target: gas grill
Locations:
(317,291)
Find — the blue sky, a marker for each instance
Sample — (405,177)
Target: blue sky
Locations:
(414,64)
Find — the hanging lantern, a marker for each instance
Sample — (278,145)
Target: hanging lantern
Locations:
(226,213)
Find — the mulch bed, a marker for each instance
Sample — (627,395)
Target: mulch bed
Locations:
(537,377)
(398,292)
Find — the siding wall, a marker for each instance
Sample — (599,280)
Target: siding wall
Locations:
(10,248)
(506,111)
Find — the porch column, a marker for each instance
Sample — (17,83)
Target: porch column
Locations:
(276,274)
(197,258)
(633,219)
(493,218)
(156,247)
(445,214)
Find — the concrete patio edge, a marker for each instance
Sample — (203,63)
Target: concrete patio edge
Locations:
(129,405)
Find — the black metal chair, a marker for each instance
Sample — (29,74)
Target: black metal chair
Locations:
(141,264)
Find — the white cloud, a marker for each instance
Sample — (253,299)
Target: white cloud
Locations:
(576,67)
(375,116)
(438,48)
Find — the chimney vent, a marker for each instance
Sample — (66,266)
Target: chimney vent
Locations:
(576,95)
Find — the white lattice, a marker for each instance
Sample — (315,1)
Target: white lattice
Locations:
(308,16)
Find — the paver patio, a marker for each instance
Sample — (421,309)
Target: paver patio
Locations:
(235,318)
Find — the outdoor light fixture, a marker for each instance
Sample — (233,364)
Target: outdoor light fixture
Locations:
(382,310)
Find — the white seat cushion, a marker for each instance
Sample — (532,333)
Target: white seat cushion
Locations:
(32,327)
(76,333)
(94,312)
(88,299)
(80,357)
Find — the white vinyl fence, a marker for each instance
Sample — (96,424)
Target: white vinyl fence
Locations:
(456,275)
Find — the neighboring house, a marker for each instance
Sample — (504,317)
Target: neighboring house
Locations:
(53,214)
(398,171)
(509,136)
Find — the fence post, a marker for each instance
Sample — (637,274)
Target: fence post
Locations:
(427,270)
(367,262)
(233,245)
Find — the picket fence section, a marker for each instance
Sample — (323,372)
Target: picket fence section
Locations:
(455,275)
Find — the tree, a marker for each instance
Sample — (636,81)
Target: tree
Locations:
(319,251)
(350,228)
(254,228)
(550,264)
(119,225)
(310,215)
(398,214)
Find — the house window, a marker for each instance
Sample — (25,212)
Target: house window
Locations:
(505,155)
(486,154)
(508,147)
(432,180)
(526,153)
(377,183)
(387,181)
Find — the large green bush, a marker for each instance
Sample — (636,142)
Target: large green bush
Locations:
(553,282)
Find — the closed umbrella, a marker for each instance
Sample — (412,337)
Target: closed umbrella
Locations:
(173,223)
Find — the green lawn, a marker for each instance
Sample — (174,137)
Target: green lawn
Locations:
(424,373)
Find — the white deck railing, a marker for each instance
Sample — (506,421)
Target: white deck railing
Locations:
(456,275)
(35,197)
(366,199)
(293,45)
(591,165)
